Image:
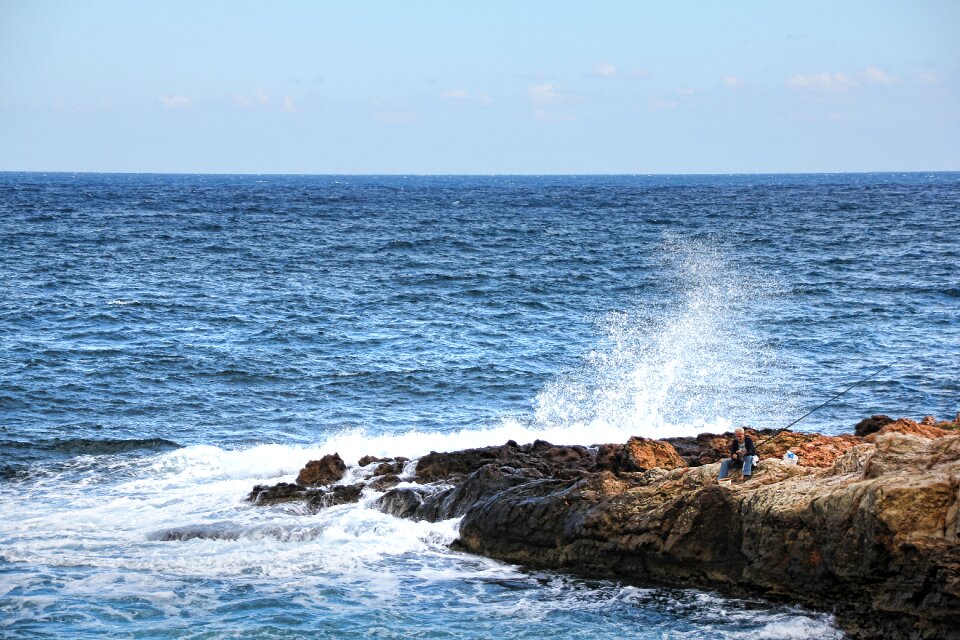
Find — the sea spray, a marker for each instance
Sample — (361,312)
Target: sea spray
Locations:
(692,360)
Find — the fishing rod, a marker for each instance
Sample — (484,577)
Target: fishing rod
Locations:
(855,384)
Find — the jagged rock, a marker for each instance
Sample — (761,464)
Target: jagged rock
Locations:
(812,449)
(280,492)
(638,454)
(365,460)
(327,470)
(483,484)
(385,467)
(384,482)
(864,527)
(436,466)
(869,425)
(873,538)
(925,429)
(314,498)
(541,456)
(644,453)
(341,494)
(402,502)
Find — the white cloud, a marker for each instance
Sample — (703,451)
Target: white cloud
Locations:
(543,93)
(879,76)
(928,77)
(842,82)
(827,82)
(455,95)
(260,99)
(463,97)
(175,102)
(257,98)
(733,82)
(610,70)
(605,70)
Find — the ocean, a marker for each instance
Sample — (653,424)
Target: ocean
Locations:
(168,341)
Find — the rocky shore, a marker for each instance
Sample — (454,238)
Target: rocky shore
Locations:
(865,526)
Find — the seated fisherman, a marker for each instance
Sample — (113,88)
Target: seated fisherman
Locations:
(741,455)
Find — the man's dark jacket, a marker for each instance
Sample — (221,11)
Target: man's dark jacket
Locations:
(747,443)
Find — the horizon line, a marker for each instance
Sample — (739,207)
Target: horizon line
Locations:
(475,175)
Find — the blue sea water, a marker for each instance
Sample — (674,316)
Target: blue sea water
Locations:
(167,341)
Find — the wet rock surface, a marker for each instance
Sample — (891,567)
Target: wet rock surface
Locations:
(325,471)
(865,527)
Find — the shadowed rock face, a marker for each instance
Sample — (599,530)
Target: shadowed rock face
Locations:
(874,537)
(871,425)
(864,527)
(314,499)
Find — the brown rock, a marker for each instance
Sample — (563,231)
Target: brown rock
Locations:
(643,454)
(638,454)
(313,499)
(925,429)
(391,466)
(280,492)
(869,531)
(436,466)
(873,538)
(385,482)
(324,471)
(342,494)
(608,457)
(872,424)
(365,460)
(540,456)
(812,449)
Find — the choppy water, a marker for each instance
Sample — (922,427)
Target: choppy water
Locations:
(168,341)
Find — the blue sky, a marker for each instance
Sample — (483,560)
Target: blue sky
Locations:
(480,87)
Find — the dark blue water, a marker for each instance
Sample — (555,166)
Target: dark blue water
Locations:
(167,341)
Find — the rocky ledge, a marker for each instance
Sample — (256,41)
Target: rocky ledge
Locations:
(865,526)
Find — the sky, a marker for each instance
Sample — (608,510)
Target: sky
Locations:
(483,87)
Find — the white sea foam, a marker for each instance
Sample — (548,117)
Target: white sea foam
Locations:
(690,364)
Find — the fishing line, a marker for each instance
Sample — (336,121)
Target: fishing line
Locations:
(855,384)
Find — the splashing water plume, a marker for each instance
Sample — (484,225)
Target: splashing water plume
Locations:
(688,363)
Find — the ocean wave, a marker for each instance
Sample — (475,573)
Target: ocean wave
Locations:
(88,446)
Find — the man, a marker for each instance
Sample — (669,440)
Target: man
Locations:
(741,455)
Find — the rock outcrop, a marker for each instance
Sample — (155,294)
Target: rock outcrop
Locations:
(865,527)
(871,425)
(327,470)
(873,538)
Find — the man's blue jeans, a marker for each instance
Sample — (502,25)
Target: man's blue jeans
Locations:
(728,462)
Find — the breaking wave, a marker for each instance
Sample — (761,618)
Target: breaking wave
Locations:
(694,361)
